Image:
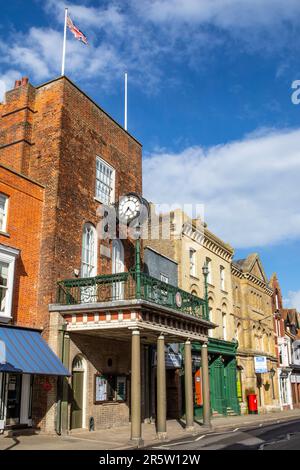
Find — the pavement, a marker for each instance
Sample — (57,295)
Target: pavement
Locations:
(118,438)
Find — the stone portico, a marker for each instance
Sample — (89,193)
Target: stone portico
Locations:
(122,333)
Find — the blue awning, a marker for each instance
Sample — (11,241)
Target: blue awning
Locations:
(25,351)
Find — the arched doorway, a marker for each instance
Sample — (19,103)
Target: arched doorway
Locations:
(117,268)
(78,393)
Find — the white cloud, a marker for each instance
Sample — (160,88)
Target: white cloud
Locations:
(250,188)
(221,13)
(147,36)
(6,81)
(294,299)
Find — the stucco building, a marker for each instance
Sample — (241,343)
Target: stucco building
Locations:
(254,323)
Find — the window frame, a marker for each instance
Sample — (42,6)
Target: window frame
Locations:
(208,264)
(222,278)
(3,229)
(8,255)
(192,262)
(113,182)
(83,249)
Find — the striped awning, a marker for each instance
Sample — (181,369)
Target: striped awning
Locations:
(24,351)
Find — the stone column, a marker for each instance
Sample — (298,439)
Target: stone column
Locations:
(161,414)
(147,385)
(136,426)
(188,383)
(205,385)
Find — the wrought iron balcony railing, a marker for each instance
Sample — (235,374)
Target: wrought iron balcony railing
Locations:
(129,286)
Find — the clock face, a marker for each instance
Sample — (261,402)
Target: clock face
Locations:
(129,207)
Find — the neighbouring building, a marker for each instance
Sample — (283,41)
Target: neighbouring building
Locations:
(292,333)
(254,319)
(193,246)
(27,365)
(283,348)
(98,310)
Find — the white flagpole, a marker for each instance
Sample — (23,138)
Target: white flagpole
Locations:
(125,110)
(64,44)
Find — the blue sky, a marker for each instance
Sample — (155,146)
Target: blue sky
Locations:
(209,98)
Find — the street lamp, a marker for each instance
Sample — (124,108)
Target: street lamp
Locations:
(205,272)
(272,373)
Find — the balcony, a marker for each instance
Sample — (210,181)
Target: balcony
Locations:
(130,286)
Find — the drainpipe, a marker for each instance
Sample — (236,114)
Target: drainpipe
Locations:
(62,389)
(59,386)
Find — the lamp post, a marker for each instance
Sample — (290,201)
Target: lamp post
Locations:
(272,373)
(205,272)
(138,261)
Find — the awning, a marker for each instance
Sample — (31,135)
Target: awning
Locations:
(25,351)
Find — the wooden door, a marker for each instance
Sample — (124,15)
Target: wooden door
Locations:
(77,399)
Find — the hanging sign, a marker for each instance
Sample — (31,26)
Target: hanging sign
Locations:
(260,364)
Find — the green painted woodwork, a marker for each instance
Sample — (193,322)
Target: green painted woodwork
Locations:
(138,268)
(230,374)
(217,386)
(136,285)
(222,375)
(77,400)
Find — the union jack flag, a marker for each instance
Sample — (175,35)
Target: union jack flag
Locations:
(76,31)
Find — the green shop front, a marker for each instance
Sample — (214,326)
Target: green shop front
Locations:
(223,378)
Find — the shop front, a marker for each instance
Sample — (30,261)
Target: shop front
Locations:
(24,355)
(222,375)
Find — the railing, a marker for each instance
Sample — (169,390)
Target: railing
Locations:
(129,286)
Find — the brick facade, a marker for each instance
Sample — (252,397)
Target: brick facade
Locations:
(23,232)
(53,133)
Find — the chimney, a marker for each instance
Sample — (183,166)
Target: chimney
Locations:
(24,81)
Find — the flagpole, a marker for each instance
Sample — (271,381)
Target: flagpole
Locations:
(64,44)
(125,110)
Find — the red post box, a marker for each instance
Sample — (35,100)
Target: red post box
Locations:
(252,404)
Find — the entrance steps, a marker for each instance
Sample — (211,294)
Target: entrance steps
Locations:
(229,412)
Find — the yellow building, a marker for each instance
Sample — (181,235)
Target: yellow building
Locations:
(193,246)
(253,314)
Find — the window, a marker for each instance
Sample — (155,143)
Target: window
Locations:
(105,182)
(208,265)
(164,278)
(3,212)
(192,262)
(224,329)
(222,277)
(89,251)
(7,269)
(3,285)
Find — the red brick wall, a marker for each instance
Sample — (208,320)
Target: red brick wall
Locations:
(65,131)
(23,232)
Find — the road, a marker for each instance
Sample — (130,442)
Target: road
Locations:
(282,435)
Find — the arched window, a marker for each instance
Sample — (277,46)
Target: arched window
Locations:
(78,364)
(224,322)
(208,265)
(224,326)
(222,278)
(211,315)
(117,256)
(118,267)
(89,251)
